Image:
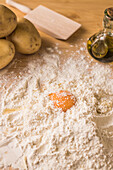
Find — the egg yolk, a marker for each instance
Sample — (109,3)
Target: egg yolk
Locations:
(63,99)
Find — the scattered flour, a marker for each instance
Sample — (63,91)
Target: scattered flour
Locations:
(48,137)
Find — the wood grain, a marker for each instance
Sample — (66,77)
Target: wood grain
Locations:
(89,13)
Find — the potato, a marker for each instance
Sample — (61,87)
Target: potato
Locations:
(25,37)
(8,21)
(7,52)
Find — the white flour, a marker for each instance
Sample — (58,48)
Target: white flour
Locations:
(48,137)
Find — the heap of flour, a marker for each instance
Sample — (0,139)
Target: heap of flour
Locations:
(47,137)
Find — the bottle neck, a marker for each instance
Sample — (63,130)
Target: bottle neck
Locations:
(108,21)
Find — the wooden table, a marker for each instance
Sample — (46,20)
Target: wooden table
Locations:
(89,13)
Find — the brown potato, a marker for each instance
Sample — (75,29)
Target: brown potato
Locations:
(8,21)
(25,37)
(7,52)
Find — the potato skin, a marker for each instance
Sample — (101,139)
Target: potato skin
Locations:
(25,37)
(7,52)
(8,21)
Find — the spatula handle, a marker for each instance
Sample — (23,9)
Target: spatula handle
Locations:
(22,8)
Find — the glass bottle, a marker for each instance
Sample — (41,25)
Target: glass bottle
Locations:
(100,45)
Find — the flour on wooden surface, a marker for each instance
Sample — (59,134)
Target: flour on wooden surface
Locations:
(48,137)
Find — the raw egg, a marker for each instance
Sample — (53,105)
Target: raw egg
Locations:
(63,99)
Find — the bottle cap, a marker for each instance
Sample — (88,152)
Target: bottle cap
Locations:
(109,13)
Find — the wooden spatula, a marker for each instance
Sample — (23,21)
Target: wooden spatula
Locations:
(48,21)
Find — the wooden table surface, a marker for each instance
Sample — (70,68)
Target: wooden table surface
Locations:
(89,13)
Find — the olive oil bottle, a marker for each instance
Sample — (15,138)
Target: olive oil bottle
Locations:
(100,45)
